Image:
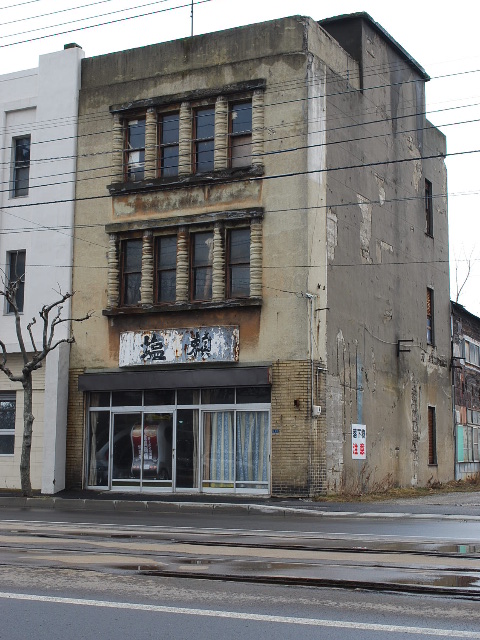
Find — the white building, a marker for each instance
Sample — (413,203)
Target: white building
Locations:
(38,129)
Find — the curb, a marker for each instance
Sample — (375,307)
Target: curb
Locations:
(129,506)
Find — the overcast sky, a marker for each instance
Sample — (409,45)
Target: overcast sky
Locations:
(442,37)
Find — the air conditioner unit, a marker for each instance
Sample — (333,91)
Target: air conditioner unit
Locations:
(316,411)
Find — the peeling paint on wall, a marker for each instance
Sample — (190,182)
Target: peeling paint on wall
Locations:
(415,403)
(382,246)
(332,229)
(381,189)
(365,227)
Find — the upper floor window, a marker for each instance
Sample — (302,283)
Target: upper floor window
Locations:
(472,353)
(166,268)
(7,423)
(135,150)
(169,136)
(201,265)
(240,131)
(21,166)
(204,139)
(16,273)
(430,327)
(428,208)
(238,263)
(131,271)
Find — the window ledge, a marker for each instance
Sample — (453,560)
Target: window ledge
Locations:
(183,306)
(212,177)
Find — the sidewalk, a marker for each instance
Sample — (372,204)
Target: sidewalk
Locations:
(456,505)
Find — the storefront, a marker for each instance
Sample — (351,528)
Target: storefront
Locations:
(203,430)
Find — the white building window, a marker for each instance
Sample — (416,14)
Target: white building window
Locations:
(7,423)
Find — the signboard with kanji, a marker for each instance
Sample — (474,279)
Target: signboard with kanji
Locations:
(359,442)
(171,346)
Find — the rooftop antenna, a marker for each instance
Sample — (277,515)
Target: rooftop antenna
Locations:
(191,15)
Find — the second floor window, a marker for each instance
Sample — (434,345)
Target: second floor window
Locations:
(166,268)
(169,139)
(238,265)
(131,270)
(240,134)
(201,265)
(204,139)
(135,150)
(428,208)
(16,272)
(21,166)
(430,327)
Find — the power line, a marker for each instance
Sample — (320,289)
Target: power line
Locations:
(44,15)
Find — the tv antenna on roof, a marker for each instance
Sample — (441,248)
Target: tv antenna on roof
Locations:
(191,15)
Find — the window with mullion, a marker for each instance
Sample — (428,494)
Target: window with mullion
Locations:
(204,141)
(16,273)
(169,136)
(7,423)
(201,252)
(240,131)
(21,166)
(166,268)
(131,270)
(135,150)
(238,263)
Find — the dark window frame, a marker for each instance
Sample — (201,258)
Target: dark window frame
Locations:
(432,436)
(232,136)
(20,185)
(12,262)
(430,316)
(6,396)
(231,263)
(196,140)
(159,269)
(128,151)
(428,208)
(162,146)
(195,269)
(124,273)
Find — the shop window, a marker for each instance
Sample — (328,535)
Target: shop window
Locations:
(166,268)
(428,208)
(7,423)
(131,271)
(430,325)
(238,263)
(135,150)
(21,166)
(16,273)
(240,130)
(432,436)
(201,265)
(204,139)
(169,136)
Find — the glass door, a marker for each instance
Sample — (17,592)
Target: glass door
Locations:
(187,450)
(142,450)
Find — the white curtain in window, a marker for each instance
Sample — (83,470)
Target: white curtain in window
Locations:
(219,447)
(252,446)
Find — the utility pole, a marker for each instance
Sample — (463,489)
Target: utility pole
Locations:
(191,15)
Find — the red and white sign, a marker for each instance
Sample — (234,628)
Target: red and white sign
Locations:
(359,442)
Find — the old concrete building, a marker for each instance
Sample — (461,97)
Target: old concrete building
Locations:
(466,384)
(261,230)
(38,127)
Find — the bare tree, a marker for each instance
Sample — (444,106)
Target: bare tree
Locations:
(33,358)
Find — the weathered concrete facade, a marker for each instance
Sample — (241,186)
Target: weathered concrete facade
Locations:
(466,385)
(334,217)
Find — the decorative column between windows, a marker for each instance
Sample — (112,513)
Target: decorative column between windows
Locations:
(221,133)
(218,268)
(182,266)
(150,144)
(146,286)
(185,142)
(113,277)
(257,127)
(117,154)
(256,259)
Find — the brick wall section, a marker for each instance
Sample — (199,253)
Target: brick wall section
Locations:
(298,440)
(75,433)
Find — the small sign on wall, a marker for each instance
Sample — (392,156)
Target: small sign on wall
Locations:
(359,442)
